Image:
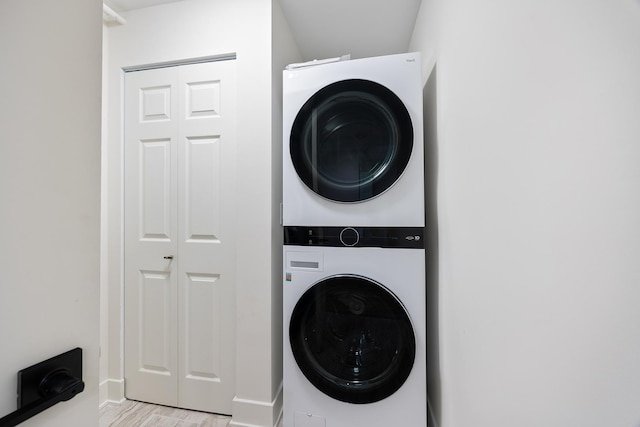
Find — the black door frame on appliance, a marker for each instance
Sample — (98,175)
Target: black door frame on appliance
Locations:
(351,140)
(352,339)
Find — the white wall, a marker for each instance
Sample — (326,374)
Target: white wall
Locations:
(104,227)
(424,40)
(50,195)
(201,28)
(285,51)
(538,208)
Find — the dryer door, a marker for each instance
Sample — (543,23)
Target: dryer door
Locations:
(352,339)
(351,140)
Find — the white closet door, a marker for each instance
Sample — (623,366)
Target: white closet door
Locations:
(151,234)
(206,231)
(179,236)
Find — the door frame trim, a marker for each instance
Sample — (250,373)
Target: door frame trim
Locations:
(175,63)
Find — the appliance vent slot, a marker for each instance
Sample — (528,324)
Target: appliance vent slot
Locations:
(305,264)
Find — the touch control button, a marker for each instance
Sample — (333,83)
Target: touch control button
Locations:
(349,236)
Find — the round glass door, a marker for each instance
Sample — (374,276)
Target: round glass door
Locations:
(352,339)
(351,140)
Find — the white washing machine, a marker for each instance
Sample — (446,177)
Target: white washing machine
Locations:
(353,143)
(354,327)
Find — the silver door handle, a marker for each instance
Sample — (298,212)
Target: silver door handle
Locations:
(168,257)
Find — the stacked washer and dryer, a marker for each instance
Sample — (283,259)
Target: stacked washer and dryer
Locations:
(354,258)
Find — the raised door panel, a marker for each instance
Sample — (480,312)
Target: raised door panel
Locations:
(202,189)
(154,311)
(202,319)
(154,190)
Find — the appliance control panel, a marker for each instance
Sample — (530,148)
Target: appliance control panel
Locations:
(381,237)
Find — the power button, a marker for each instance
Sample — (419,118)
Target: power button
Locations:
(349,236)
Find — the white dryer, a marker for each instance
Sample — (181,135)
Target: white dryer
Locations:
(354,327)
(353,143)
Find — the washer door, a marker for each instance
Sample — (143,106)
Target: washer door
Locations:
(352,339)
(351,140)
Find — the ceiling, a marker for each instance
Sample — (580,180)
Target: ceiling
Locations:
(125,5)
(330,28)
(362,28)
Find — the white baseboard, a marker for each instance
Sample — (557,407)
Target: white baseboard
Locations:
(254,413)
(111,391)
(103,393)
(246,412)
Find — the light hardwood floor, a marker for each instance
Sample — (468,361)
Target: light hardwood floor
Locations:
(137,414)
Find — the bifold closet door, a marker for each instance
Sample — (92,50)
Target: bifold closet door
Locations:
(180,236)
